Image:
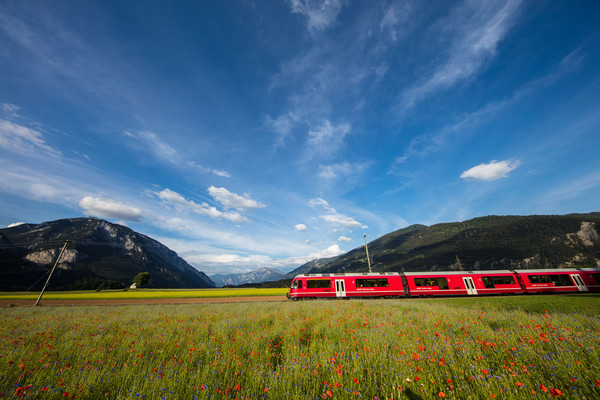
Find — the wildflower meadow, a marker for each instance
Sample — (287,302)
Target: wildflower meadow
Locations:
(374,349)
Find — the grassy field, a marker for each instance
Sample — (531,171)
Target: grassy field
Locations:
(472,348)
(143,294)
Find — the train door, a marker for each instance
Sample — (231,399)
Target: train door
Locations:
(405,285)
(470,285)
(579,282)
(340,288)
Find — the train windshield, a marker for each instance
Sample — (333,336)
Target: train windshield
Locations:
(297,284)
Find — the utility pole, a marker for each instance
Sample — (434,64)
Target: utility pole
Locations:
(50,276)
(460,267)
(367,249)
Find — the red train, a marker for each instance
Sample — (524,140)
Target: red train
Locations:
(463,283)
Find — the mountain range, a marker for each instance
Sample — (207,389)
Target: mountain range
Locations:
(110,255)
(257,276)
(493,242)
(98,253)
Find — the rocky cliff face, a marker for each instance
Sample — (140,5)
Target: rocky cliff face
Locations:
(97,250)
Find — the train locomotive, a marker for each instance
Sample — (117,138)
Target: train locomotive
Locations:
(444,283)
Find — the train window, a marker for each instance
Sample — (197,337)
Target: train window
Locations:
(539,279)
(318,283)
(294,284)
(382,282)
(561,280)
(596,277)
(299,284)
(491,281)
(441,283)
(557,280)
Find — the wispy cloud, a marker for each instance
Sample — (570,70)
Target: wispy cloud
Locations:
(217,172)
(428,143)
(10,109)
(107,208)
(283,126)
(23,139)
(151,142)
(326,140)
(395,20)
(491,171)
(157,147)
(300,227)
(319,14)
(475,28)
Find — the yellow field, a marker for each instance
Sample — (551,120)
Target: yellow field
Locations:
(144,294)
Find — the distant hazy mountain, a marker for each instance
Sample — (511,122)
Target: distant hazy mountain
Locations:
(97,251)
(494,242)
(312,266)
(258,276)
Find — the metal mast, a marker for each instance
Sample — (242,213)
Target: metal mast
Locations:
(50,276)
(367,249)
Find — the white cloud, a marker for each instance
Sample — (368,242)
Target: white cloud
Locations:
(491,171)
(319,202)
(15,224)
(320,14)
(344,239)
(326,140)
(333,217)
(331,251)
(184,205)
(233,200)
(23,139)
(300,227)
(107,208)
(341,220)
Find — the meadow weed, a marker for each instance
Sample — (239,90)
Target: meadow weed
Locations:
(374,349)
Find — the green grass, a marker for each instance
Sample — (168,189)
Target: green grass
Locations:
(143,294)
(471,348)
(588,303)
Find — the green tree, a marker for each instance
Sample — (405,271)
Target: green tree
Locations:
(141,279)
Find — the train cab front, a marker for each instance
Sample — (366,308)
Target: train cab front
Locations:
(292,294)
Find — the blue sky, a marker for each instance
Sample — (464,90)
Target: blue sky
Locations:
(265,134)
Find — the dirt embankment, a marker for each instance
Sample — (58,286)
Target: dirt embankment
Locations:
(121,302)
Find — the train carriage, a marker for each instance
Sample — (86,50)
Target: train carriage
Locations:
(559,280)
(461,283)
(388,284)
(445,283)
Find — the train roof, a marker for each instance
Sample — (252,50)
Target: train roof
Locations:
(368,274)
(485,272)
(434,273)
(555,270)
